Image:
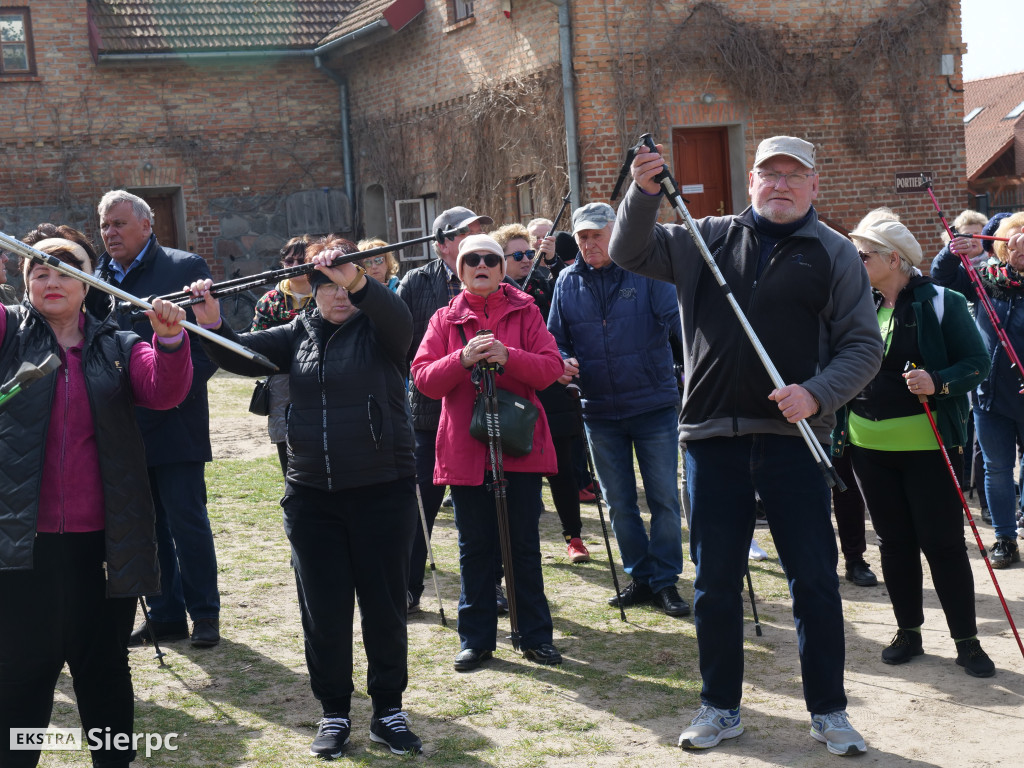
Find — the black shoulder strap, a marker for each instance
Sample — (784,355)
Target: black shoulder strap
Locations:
(8,349)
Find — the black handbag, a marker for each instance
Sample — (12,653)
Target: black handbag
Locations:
(517,417)
(259,403)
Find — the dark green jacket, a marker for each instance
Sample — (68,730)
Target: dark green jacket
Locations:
(950,349)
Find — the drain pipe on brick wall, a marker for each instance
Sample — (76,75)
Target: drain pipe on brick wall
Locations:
(346,135)
(568,100)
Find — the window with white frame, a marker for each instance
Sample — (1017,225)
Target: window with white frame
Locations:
(413,218)
(16,55)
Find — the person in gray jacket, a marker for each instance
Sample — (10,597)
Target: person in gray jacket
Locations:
(807,297)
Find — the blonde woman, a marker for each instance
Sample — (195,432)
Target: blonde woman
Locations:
(382,268)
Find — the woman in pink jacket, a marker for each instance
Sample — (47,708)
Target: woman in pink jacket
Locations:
(520,343)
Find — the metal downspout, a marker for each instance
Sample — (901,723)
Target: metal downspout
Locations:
(569,101)
(346,136)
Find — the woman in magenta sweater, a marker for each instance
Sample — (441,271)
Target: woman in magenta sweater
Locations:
(77,538)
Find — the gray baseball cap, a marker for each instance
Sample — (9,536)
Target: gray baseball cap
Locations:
(592,216)
(459,217)
(789,146)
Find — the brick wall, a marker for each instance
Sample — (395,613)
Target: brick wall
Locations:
(236,135)
(426,69)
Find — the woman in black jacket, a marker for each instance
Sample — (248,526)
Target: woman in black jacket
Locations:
(350,497)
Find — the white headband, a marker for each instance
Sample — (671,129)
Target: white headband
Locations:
(56,243)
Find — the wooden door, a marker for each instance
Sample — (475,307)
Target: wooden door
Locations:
(701,160)
(164,225)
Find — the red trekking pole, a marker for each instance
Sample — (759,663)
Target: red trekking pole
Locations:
(970,517)
(983,299)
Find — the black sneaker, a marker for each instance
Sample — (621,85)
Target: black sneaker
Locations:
(973,659)
(1004,553)
(165,631)
(905,645)
(860,573)
(205,633)
(635,593)
(391,727)
(412,603)
(986,516)
(331,737)
(545,653)
(670,603)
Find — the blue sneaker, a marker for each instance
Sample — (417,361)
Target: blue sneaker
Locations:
(710,726)
(836,733)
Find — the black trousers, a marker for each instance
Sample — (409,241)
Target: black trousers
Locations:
(349,544)
(915,508)
(58,612)
(565,491)
(848,507)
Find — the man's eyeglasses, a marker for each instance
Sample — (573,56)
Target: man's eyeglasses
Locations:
(520,255)
(375,261)
(795,180)
(473,260)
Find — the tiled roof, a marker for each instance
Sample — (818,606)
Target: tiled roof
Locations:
(990,134)
(397,13)
(164,26)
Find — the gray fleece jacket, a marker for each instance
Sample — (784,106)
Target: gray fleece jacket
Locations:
(811,309)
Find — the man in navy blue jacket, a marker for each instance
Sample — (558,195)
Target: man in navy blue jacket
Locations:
(613,327)
(177,441)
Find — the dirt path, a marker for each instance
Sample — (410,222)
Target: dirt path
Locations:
(926,713)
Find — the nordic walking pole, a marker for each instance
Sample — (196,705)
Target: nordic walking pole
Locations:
(668,184)
(574,391)
(152,632)
(982,294)
(500,486)
(753,605)
(970,517)
(430,552)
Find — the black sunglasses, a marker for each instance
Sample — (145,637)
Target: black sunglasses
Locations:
(473,260)
(520,255)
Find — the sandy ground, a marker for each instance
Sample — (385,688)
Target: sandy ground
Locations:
(925,713)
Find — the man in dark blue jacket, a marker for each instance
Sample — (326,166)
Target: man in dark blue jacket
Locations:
(177,441)
(613,327)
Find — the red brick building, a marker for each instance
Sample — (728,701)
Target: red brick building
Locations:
(237,118)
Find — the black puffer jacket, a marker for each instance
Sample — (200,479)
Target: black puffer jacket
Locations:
(130,534)
(348,423)
(424,290)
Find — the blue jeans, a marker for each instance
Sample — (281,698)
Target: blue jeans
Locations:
(655,560)
(477,521)
(998,435)
(722,475)
(188,561)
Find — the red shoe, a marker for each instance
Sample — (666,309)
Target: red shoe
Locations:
(587,495)
(578,551)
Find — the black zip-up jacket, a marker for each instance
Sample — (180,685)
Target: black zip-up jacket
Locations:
(424,290)
(811,310)
(129,525)
(348,424)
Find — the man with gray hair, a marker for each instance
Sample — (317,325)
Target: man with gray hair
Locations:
(177,441)
(612,328)
(807,297)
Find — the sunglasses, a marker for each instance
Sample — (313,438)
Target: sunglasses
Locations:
(520,255)
(473,260)
(376,261)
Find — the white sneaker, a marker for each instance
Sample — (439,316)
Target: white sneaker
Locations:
(756,553)
(835,731)
(710,726)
